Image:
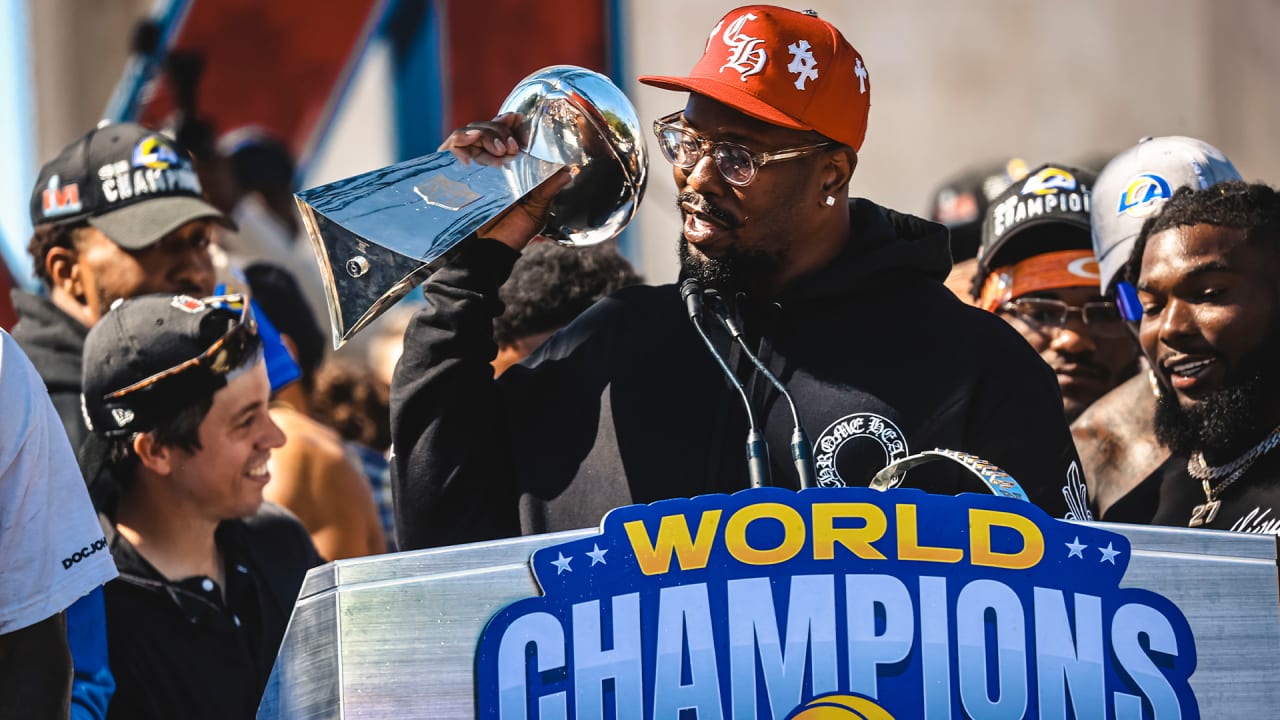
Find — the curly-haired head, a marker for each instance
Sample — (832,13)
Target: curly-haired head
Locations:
(1252,207)
(551,285)
(349,399)
(46,237)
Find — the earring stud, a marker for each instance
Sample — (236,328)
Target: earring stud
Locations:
(830,201)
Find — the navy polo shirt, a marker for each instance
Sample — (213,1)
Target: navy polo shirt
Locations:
(189,648)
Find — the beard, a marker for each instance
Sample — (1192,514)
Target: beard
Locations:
(1234,417)
(730,273)
(736,269)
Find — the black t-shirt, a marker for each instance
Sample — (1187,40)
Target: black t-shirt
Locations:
(185,648)
(1251,504)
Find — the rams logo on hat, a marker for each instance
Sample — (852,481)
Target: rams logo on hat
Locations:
(839,706)
(154,152)
(1048,181)
(1143,195)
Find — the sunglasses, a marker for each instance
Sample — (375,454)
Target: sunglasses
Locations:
(224,355)
(1102,317)
(736,164)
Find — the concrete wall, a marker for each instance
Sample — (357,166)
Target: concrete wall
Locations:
(956,83)
(79,49)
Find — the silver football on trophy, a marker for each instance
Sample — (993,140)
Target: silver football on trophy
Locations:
(574,116)
(380,234)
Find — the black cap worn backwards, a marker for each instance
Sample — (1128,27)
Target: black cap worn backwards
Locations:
(133,184)
(146,335)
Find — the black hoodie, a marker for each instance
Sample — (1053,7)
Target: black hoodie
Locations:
(55,343)
(625,405)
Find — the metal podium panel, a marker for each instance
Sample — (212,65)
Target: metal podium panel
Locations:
(351,615)
(1227,584)
(396,635)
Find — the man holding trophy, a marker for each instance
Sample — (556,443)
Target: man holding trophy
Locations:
(828,312)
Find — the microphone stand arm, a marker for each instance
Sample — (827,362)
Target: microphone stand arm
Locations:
(757,448)
(801,447)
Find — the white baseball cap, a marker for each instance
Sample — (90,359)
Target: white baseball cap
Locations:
(1137,183)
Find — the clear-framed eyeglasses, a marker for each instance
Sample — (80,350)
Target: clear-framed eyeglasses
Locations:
(1047,315)
(738,166)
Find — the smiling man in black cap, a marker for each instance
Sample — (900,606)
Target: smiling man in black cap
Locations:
(117,213)
(208,573)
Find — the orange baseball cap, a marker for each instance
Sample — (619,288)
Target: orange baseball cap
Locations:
(784,67)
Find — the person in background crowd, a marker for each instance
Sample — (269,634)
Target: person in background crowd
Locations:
(208,573)
(386,341)
(1116,435)
(262,175)
(842,298)
(119,212)
(314,477)
(1037,270)
(960,204)
(1207,274)
(348,398)
(52,550)
(549,286)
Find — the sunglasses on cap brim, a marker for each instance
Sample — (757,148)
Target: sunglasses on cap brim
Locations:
(225,354)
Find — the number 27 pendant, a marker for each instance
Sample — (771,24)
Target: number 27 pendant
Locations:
(1204,514)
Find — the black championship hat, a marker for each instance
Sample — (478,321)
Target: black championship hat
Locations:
(133,184)
(1054,198)
(175,349)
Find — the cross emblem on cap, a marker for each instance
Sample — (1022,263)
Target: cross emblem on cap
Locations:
(861,71)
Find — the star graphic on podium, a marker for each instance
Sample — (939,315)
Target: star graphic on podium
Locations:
(562,563)
(1108,554)
(596,555)
(1076,548)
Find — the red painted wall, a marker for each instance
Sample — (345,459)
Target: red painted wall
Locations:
(492,44)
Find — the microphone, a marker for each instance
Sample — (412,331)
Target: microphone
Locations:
(691,293)
(757,449)
(801,448)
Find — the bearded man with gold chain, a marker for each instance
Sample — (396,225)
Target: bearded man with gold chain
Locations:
(1207,271)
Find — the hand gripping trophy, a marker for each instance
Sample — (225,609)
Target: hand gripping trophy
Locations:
(380,234)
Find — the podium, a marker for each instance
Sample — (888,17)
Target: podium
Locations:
(397,635)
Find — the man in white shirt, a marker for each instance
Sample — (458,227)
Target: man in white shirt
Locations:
(52,548)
